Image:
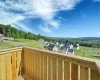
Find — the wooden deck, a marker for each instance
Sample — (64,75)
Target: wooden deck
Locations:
(35,64)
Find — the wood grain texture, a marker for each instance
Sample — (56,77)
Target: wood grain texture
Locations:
(14,73)
(45,67)
(49,67)
(74,72)
(54,69)
(41,66)
(66,70)
(18,62)
(9,66)
(84,74)
(2,67)
(60,69)
(95,75)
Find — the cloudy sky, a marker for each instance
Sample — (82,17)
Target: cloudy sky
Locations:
(57,18)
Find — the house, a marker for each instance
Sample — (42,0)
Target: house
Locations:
(47,44)
(61,45)
(57,43)
(71,51)
(41,40)
(68,51)
(52,47)
(69,46)
(76,46)
(1,36)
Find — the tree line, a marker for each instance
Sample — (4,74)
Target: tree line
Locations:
(9,31)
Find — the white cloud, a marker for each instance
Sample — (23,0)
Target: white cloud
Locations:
(24,27)
(44,9)
(10,18)
(54,23)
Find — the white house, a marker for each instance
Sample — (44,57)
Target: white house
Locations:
(61,45)
(76,46)
(68,51)
(68,46)
(52,47)
(41,40)
(57,43)
(47,45)
(1,36)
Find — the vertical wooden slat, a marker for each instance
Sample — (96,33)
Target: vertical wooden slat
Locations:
(74,72)
(25,62)
(49,67)
(22,70)
(66,70)
(41,66)
(29,63)
(60,68)
(32,62)
(54,68)
(95,75)
(45,67)
(2,67)
(13,65)
(18,62)
(9,71)
(35,69)
(84,75)
(38,66)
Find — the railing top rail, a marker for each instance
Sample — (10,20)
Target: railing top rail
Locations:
(6,51)
(87,62)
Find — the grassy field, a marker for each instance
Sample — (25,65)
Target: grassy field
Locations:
(6,45)
(87,52)
(32,43)
(25,42)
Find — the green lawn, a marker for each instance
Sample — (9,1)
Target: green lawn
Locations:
(86,52)
(6,45)
(23,40)
(32,43)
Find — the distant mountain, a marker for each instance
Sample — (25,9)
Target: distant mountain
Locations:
(79,39)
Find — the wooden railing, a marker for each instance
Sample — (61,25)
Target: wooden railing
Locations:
(46,65)
(10,60)
(38,64)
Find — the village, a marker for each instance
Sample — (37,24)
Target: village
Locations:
(66,48)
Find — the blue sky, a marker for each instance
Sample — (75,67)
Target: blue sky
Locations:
(56,18)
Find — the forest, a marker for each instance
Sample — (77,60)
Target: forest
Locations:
(9,31)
